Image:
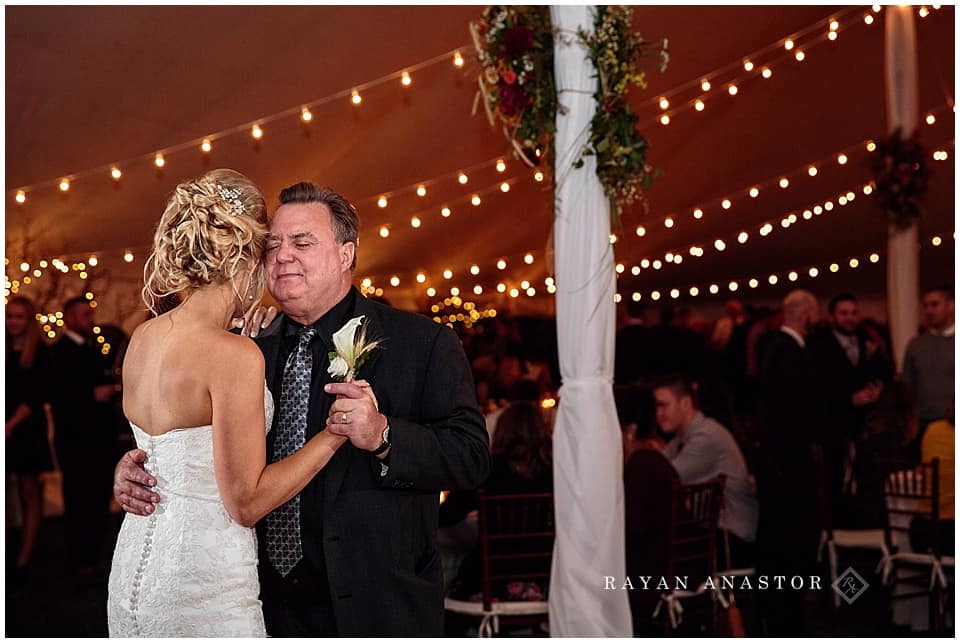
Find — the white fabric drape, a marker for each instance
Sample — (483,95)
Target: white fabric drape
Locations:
(901,83)
(587,452)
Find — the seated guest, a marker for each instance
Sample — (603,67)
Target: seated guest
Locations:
(522,390)
(522,451)
(648,483)
(636,415)
(938,442)
(701,450)
(522,462)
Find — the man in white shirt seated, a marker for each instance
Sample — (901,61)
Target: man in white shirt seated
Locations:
(701,450)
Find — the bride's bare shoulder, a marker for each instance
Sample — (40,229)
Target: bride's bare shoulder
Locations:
(229,351)
(199,344)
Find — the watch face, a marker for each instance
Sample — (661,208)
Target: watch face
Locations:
(386,434)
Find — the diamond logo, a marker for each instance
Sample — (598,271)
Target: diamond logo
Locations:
(850,585)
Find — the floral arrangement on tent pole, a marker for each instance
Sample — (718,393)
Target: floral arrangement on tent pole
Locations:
(618,53)
(901,175)
(515,49)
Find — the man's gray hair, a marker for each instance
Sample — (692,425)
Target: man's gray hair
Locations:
(345,220)
(797,303)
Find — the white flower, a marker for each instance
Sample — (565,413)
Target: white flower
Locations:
(352,349)
(338,367)
(343,340)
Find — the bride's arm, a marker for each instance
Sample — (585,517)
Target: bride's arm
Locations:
(250,488)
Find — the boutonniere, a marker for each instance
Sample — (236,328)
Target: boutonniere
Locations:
(352,350)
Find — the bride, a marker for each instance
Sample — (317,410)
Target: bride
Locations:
(197,402)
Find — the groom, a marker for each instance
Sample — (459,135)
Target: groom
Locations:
(366,560)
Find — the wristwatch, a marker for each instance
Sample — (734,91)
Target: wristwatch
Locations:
(386,441)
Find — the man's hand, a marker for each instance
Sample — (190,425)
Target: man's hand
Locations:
(355,414)
(130,483)
(868,394)
(255,320)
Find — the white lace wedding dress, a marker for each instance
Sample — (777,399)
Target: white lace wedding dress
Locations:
(187,570)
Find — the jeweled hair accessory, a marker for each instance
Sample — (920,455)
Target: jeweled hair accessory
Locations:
(231,196)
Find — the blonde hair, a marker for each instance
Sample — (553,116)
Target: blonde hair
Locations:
(210,229)
(32,332)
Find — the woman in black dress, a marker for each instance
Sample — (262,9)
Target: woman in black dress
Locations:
(28,450)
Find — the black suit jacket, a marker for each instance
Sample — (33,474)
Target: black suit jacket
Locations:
(839,379)
(81,423)
(379,534)
(790,407)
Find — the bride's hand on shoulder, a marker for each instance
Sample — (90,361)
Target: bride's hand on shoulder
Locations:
(256,319)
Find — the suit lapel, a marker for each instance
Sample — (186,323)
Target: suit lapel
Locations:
(374,331)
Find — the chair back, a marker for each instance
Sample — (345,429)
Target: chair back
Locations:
(693,528)
(910,490)
(516,540)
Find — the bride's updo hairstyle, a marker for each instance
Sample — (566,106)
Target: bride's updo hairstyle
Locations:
(212,228)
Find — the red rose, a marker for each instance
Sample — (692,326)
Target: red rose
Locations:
(513,99)
(517,40)
(509,77)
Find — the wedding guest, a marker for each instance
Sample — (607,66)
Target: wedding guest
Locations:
(789,523)
(649,481)
(702,449)
(82,390)
(733,316)
(521,463)
(939,442)
(928,366)
(28,450)
(853,374)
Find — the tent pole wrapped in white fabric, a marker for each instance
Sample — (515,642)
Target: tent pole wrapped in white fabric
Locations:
(588,484)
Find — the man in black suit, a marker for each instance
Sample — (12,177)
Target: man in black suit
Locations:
(84,438)
(852,373)
(788,531)
(369,564)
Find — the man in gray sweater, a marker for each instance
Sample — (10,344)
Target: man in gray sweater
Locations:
(928,367)
(702,449)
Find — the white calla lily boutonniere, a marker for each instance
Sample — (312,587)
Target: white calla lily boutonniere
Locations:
(352,350)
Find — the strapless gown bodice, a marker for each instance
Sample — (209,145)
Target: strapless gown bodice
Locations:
(188,569)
